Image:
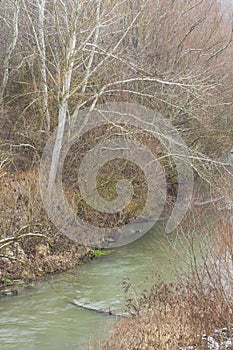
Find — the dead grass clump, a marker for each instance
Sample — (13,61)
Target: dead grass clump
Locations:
(171,316)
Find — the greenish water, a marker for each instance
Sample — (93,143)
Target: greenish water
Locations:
(44,318)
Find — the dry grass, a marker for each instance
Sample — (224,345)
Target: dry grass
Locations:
(170,316)
(30,257)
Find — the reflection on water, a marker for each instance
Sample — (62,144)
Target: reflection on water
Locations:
(44,318)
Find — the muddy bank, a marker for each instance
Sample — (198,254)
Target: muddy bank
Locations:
(31,248)
(27,261)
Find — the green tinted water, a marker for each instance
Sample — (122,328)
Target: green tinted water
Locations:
(44,318)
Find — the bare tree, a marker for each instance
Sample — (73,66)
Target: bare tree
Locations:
(41,7)
(171,56)
(10,49)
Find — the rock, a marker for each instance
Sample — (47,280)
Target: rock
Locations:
(92,307)
(221,339)
(8,292)
(42,250)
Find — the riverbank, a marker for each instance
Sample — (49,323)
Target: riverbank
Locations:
(195,311)
(17,275)
(179,317)
(30,246)
(31,267)
(99,281)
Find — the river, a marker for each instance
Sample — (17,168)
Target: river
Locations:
(43,317)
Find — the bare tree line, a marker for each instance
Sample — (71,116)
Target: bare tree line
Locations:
(61,56)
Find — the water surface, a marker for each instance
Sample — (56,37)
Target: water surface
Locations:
(44,318)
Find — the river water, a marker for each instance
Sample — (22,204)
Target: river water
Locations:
(43,317)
